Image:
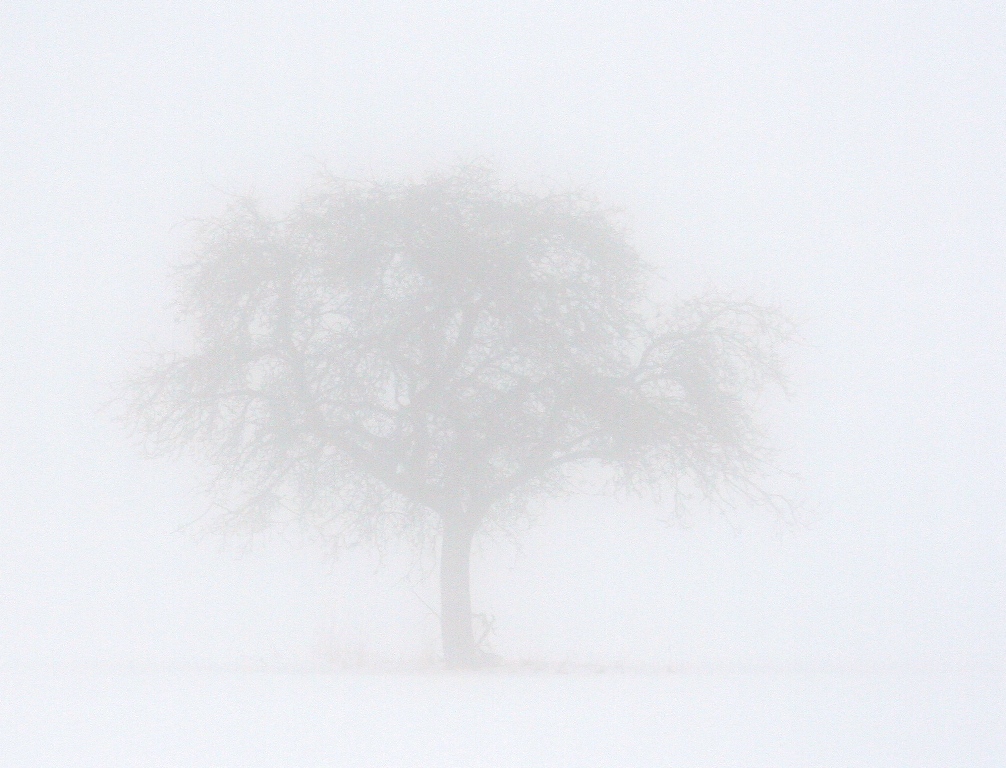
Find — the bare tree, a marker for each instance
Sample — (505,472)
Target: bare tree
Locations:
(427,357)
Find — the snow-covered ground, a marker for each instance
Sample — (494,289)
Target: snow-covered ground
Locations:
(689,718)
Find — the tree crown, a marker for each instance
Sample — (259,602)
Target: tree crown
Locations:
(390,353)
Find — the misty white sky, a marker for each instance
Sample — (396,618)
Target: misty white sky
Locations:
(844,160)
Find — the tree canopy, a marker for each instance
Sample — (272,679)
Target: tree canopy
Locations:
(427,356)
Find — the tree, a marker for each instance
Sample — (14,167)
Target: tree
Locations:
(428,357)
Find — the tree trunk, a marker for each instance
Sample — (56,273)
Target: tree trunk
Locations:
(456,628)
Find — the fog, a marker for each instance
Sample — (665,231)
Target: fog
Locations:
(841,161)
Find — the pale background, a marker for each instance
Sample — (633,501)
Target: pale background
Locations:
(846,161)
